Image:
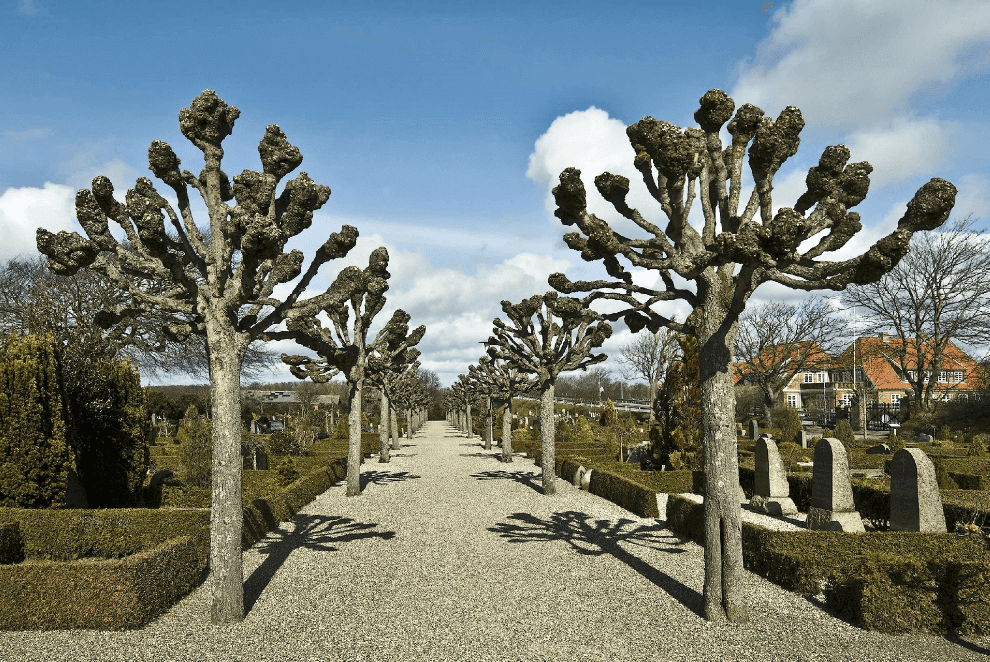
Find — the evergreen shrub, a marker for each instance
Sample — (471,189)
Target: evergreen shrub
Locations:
(35,459)
(789,421)
(844,433)
(195,449)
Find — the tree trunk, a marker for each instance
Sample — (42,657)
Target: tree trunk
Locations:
(653,401)
(354,436)
(395,428)
(468,423)
(383,445)
(723,522)
(547,438)
(409,424)
(507,432)
(488,425)
(226,512)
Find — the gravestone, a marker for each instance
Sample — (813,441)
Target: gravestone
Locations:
(754,429)
(772,493)
(802,439)
(832,506)
(879,449)
(578,476)
(637,453)
(260,459)
(586,479)
(915,500)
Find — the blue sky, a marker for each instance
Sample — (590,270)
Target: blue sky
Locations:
(441,127)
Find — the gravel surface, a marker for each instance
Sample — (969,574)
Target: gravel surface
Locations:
(448,554)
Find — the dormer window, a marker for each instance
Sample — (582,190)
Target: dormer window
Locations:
(809,378)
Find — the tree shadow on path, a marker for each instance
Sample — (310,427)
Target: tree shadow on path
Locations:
(384,477)
(317,532)
(592,537)
(497,455)
(522,477)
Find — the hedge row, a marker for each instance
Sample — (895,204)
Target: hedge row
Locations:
(11,543)
(618,489)
(891,582)
(145,561)
(129,592)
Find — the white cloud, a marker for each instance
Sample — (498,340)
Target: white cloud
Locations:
(24,210)
(592,142)
(849,63)
(904,148)
(972,197)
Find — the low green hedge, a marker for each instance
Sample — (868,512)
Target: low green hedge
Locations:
(618,489)
(130,592)
(892,582)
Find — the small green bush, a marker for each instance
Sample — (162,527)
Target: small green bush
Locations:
(977,446)
(195,449)
(789,421)
(844,433)
(283,442)
(608,414)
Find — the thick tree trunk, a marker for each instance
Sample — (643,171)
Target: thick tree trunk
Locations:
(488,425)
(226,512)
(395,428)
(653,401)
(723,593)
(409,424)
(468,423)
(547,438)
(354,438)
(507,432)
(383,444)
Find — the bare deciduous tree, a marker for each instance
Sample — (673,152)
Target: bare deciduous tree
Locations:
(938,294)
(546,347)
(724,261)
(219,285)
(778,340)
(649,356)
(501,382)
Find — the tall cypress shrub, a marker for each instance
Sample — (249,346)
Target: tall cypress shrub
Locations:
(110,440)
(34,424)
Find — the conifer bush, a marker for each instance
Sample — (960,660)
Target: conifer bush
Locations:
(34,424)
(977,446)
(195,449)
(787,419)
(581,433)
(110,437)
(844,433)
(609,417)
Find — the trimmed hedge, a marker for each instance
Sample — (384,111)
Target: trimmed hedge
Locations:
(891,582)
(145,559)
(619,490)
(130,592)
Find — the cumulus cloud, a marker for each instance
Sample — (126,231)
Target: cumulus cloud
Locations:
(24,210)
(904,148)
(848,63)
(592,142)
(972,197)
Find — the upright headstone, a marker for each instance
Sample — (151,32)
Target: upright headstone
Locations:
(754,429)
(772,493)
(803,439)
(915,501)
(260,459)
(578,475)
(832,505)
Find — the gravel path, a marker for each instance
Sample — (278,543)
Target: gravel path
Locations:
(448,554)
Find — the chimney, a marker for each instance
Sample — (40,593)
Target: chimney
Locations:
(884,337)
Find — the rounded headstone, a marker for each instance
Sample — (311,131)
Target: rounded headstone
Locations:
(915,500)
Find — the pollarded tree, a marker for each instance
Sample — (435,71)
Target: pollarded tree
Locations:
(218,282)
(386,372)
(559,339)
(721,263)
(35,424)
(502,382)
(778,340)
(343,346)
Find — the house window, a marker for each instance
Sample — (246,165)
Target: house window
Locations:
(911,375)
(895,401)
(943,377)
(808,378)
(904,375)
(792,401)
(957,375)
(846,399)
(822,377)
